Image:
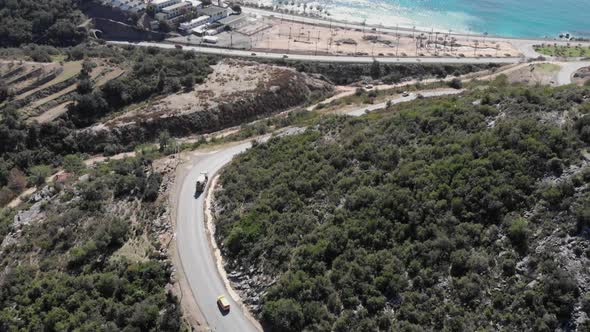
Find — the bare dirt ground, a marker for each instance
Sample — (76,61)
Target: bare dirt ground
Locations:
(309,39)
(537,73)
(231,81)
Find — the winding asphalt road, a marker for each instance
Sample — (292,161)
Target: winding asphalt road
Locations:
(568,69)
(194,251)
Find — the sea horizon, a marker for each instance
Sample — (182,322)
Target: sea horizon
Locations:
(509,18)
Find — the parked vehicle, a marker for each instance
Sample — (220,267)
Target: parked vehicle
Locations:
(210,39)
(178,46)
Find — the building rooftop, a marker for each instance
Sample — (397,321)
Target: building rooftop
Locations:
(175,6)
(158,2)
(212,10)
(231,19)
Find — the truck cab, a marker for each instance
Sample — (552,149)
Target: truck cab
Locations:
(223,304)
(201,184)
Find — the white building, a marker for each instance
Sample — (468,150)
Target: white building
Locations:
(196,4)
(176,10)
(133,6)
(199,31)
(201,20)
(161,4)
(215,13)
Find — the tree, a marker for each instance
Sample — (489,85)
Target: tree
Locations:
(150,11)
(375,69)
(16,180)
(84,86)
(518,232)
(73,163)
(4,91)
(237,8)
(38,174)
(283,315)
(456,83)
(188,82)
(164,141)
(161,81)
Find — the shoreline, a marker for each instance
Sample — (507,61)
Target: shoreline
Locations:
(402,28)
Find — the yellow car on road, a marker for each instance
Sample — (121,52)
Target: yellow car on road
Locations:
(223,303)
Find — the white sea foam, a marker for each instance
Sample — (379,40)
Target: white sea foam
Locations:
(388,14)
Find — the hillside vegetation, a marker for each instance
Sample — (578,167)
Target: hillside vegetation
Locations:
(61,270)
(51,22)
(458,214)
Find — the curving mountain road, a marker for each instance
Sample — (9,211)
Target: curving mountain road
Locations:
(194,250)
(568,69)
(192,240)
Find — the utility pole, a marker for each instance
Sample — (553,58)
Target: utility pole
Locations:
(436,44)
(397,49)
(451,38)
(316,43)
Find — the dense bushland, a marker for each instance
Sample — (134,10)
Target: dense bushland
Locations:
(53,22)
(455,214)
(59,272)
(388,73)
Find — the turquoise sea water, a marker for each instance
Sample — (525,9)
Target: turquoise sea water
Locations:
(515,18)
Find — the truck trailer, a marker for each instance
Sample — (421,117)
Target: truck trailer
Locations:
(210,39)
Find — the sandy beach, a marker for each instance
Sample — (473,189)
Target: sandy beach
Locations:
(288,36)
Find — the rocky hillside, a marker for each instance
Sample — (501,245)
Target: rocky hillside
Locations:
(236,92)
(88,251)
(460,214)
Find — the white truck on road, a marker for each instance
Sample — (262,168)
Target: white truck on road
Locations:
(201,184)
(210,39)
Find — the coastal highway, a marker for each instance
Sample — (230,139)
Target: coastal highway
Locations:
(195,253)
(324,58)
